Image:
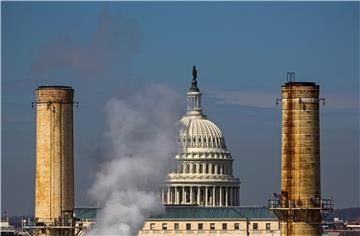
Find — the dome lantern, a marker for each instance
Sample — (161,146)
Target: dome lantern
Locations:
(194,97)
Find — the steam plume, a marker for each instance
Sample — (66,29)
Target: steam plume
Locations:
(113,40)
(138,148)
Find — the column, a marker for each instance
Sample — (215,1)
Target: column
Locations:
(214,195)
(177,197)
(183,200)
(220,197)
(206,195)
(168,196)
(226,196)
(237,196)
(163,196)
(198,196)
(234,196)
(231,196)
(191,195)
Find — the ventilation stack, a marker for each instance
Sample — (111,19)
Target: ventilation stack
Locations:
(54,190)
(299,204)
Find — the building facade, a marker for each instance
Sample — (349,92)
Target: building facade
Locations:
(190,220)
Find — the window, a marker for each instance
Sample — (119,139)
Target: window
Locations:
(200,226)
(152,226)
(188,226)
(176,226)
(201,169)
(255,226)
(224,226)
(268,226)
(212,226)
(236,226)
(164,226)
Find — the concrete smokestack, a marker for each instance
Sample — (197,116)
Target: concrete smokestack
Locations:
(54,190)
(299,206)
(300,167)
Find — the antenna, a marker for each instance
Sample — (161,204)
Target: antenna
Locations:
(290,77)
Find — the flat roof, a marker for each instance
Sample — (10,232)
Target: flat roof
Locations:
(300,83)
(54,87)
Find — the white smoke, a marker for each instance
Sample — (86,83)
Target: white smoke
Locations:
(140,143)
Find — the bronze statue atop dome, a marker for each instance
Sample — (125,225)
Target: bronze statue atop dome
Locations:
(194,73)
(194,86)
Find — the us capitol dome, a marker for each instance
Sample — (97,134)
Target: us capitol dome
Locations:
(203,175)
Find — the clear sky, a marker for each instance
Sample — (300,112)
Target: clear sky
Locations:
(242,52)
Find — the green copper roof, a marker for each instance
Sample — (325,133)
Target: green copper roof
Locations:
(195,212)
(86,213)
(187,212)
(256,212)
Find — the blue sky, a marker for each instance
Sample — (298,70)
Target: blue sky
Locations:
(242,51)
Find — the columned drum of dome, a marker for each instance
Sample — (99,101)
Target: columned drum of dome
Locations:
(203,175)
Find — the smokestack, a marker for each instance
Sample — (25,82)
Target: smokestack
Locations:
(299,205)
(300,167)
(54,190)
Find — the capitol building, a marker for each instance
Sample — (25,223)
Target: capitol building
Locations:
(204,175)
(201,195)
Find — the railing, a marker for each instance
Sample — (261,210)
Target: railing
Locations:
(48,222)
(321,204)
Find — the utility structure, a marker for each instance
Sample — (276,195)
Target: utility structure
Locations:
(299,206)
(54,185)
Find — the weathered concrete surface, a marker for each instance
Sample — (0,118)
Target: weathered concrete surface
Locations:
(54,185)
(300,169)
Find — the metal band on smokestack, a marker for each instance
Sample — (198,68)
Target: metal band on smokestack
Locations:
(54,190)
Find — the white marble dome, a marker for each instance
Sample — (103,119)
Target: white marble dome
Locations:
(199,132)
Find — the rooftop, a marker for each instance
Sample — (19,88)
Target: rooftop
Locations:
(54,87)
(300,84)
(195,212)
